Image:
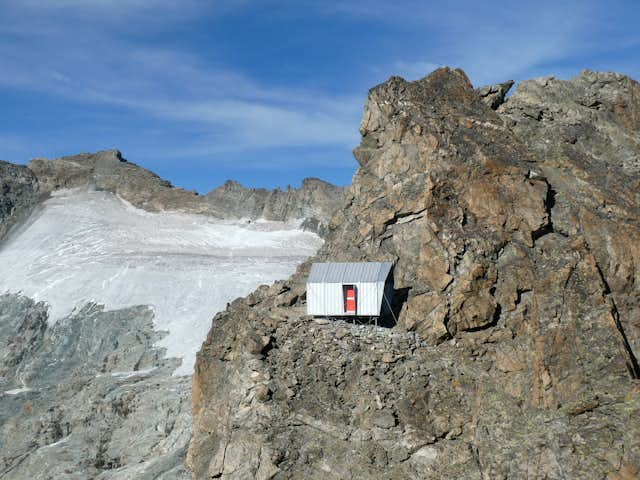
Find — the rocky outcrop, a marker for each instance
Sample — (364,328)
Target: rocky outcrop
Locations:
(494,95)
(586,133)
(313,203)
(89,397)
(109,171)
(515,353)
(19,195)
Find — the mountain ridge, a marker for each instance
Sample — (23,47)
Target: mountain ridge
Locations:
(108,170)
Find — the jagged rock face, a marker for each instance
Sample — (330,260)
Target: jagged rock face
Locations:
(314,202)
(494,95)
(89,397)
(19,195)
(443,188)
(515,351)
(586,134)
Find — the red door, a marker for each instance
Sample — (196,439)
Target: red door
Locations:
(349,299)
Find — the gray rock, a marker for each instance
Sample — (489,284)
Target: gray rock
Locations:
(494,95)
(384,420)
(89,397)
(19,195)
(587,142)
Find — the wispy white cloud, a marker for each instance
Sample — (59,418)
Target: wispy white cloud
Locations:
(100,66)
(493,45)
(513,39)
(122,53)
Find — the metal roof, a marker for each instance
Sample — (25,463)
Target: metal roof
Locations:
(355,272)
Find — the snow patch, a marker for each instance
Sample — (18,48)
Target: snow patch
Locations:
(17,391)
(88,246)
(55,444)
(133,373)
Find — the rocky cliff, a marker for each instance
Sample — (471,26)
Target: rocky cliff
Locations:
(20,193)
(313,203)
(89,397)
(514,227)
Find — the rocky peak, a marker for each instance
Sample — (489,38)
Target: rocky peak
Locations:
(443,187)
(448,193)
(518,276)
(231,185)
(313,203)
(588,115)
(312,182)
(445,91)
(106,156)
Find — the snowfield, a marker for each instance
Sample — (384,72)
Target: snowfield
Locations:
(88,246)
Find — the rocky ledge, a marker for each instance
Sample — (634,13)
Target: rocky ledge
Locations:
(514,226)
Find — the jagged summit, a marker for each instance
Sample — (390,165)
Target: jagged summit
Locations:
(313,203)
(513,228)
(494,95)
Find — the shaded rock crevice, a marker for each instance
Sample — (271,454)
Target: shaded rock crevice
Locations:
(632,359)
(20,194)
(549,203)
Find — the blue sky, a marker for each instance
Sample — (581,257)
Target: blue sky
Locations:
(265,92)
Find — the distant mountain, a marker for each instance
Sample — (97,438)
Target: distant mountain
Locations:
(313,203)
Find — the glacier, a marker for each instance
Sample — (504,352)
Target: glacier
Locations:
(85,246)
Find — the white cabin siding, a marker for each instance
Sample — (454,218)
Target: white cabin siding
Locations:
(325,293)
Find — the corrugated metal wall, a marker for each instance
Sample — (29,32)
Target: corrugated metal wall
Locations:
(326,299)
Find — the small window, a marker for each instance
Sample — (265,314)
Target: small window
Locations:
(350,299)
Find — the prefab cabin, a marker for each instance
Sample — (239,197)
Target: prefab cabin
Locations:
(359,289)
